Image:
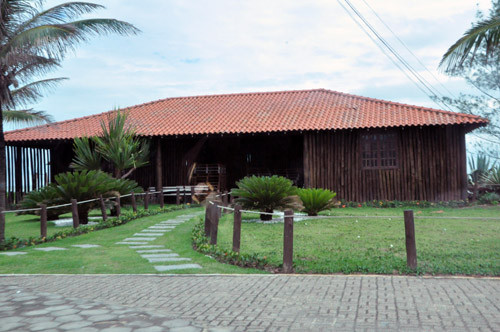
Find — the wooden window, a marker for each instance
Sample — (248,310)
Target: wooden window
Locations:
(379,150)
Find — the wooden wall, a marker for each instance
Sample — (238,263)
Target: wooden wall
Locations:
(431,165)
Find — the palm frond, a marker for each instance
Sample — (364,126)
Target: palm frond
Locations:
(32,92)
(26,117)
(85,156)
(485,33)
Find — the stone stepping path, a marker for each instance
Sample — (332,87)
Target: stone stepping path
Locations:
(14,253)
(17,253)
(158,253)
(50,249)
(85,246)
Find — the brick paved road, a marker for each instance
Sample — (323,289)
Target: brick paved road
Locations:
(292,303)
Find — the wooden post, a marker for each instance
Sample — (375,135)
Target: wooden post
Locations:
(288,242)
(146,200)
(231,199)
(208,219)
(215,224)
(184,195)
(191,200)
(178,197)
(134,202)
(411,248)
(159,169)
(237,228)
(103,208)
(161,198)
(43,220)
(74,212)
(225,201)
(118,206)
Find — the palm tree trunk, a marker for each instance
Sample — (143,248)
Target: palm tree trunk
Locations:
(2,179)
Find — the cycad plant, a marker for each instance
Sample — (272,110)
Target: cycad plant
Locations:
(316,200)
(479,171)
(33,41)
(265,194)
(81,186)
(118,145)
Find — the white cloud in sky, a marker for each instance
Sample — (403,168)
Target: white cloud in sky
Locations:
(205,47)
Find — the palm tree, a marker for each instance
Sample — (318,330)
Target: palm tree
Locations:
(484,34)
(33,41)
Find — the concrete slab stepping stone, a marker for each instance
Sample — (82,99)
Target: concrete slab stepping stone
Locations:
(154,230)
(131,242)
(162,226)
(167,259)
(150,246)
(148,234)
(153,251)
(159,255)
(50,249)
(86,245)
(140,239)
(163,268)
(15,253)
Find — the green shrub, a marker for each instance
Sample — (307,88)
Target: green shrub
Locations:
(489,198)
(81,186)
(316,200)
(265,193)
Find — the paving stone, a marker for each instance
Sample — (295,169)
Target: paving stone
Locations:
(150,246)
(11,326)
(94,312)
(36,312)
(159,255)
(166,228)
(6,320)
(175,323)
(64,312)
(139,239)
(131,242)
(222,329)
(43,326)
(153,251)
(167,259)
(117,329)
(139,323)
(149,234)
(60,307)
(100,318)
(150,329)
(153,231)
(85,246)
(75,325)
(50,249)
(163,268)
(185,329)
(69,318)
(14,253)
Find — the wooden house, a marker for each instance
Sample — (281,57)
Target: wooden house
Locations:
(360,147)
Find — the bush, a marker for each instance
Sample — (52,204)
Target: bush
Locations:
(265,193)
(489,198)
(316,200)
(81,186)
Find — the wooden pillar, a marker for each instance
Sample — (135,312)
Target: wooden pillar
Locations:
(178,197)
(103,208)
(146,200)
(118,206)
(134,202)
(159,167)
(74,212)
(208,219)
(43,220)
(288,242)
(411,248)
(237,228)
(214,224)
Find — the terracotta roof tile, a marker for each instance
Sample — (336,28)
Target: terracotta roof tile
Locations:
(254,113)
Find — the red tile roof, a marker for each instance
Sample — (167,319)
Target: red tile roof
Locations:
(255,113)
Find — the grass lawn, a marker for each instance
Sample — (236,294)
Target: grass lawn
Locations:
(110,257)
(371,245)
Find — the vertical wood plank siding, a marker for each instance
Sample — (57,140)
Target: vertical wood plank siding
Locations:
(431,165)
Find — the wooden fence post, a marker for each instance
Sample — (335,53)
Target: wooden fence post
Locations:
(231,199)
(237,228)
(208,219)
(178,197)
(161,198)
(411,248)
(134,202)
(146,200)
(288,242)
(43,220)
(103,208)
(191,191)
(215,224)
(118,206)
(184,195)
(74,212)
(224,198)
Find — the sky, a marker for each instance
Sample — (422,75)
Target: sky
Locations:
(202,47)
